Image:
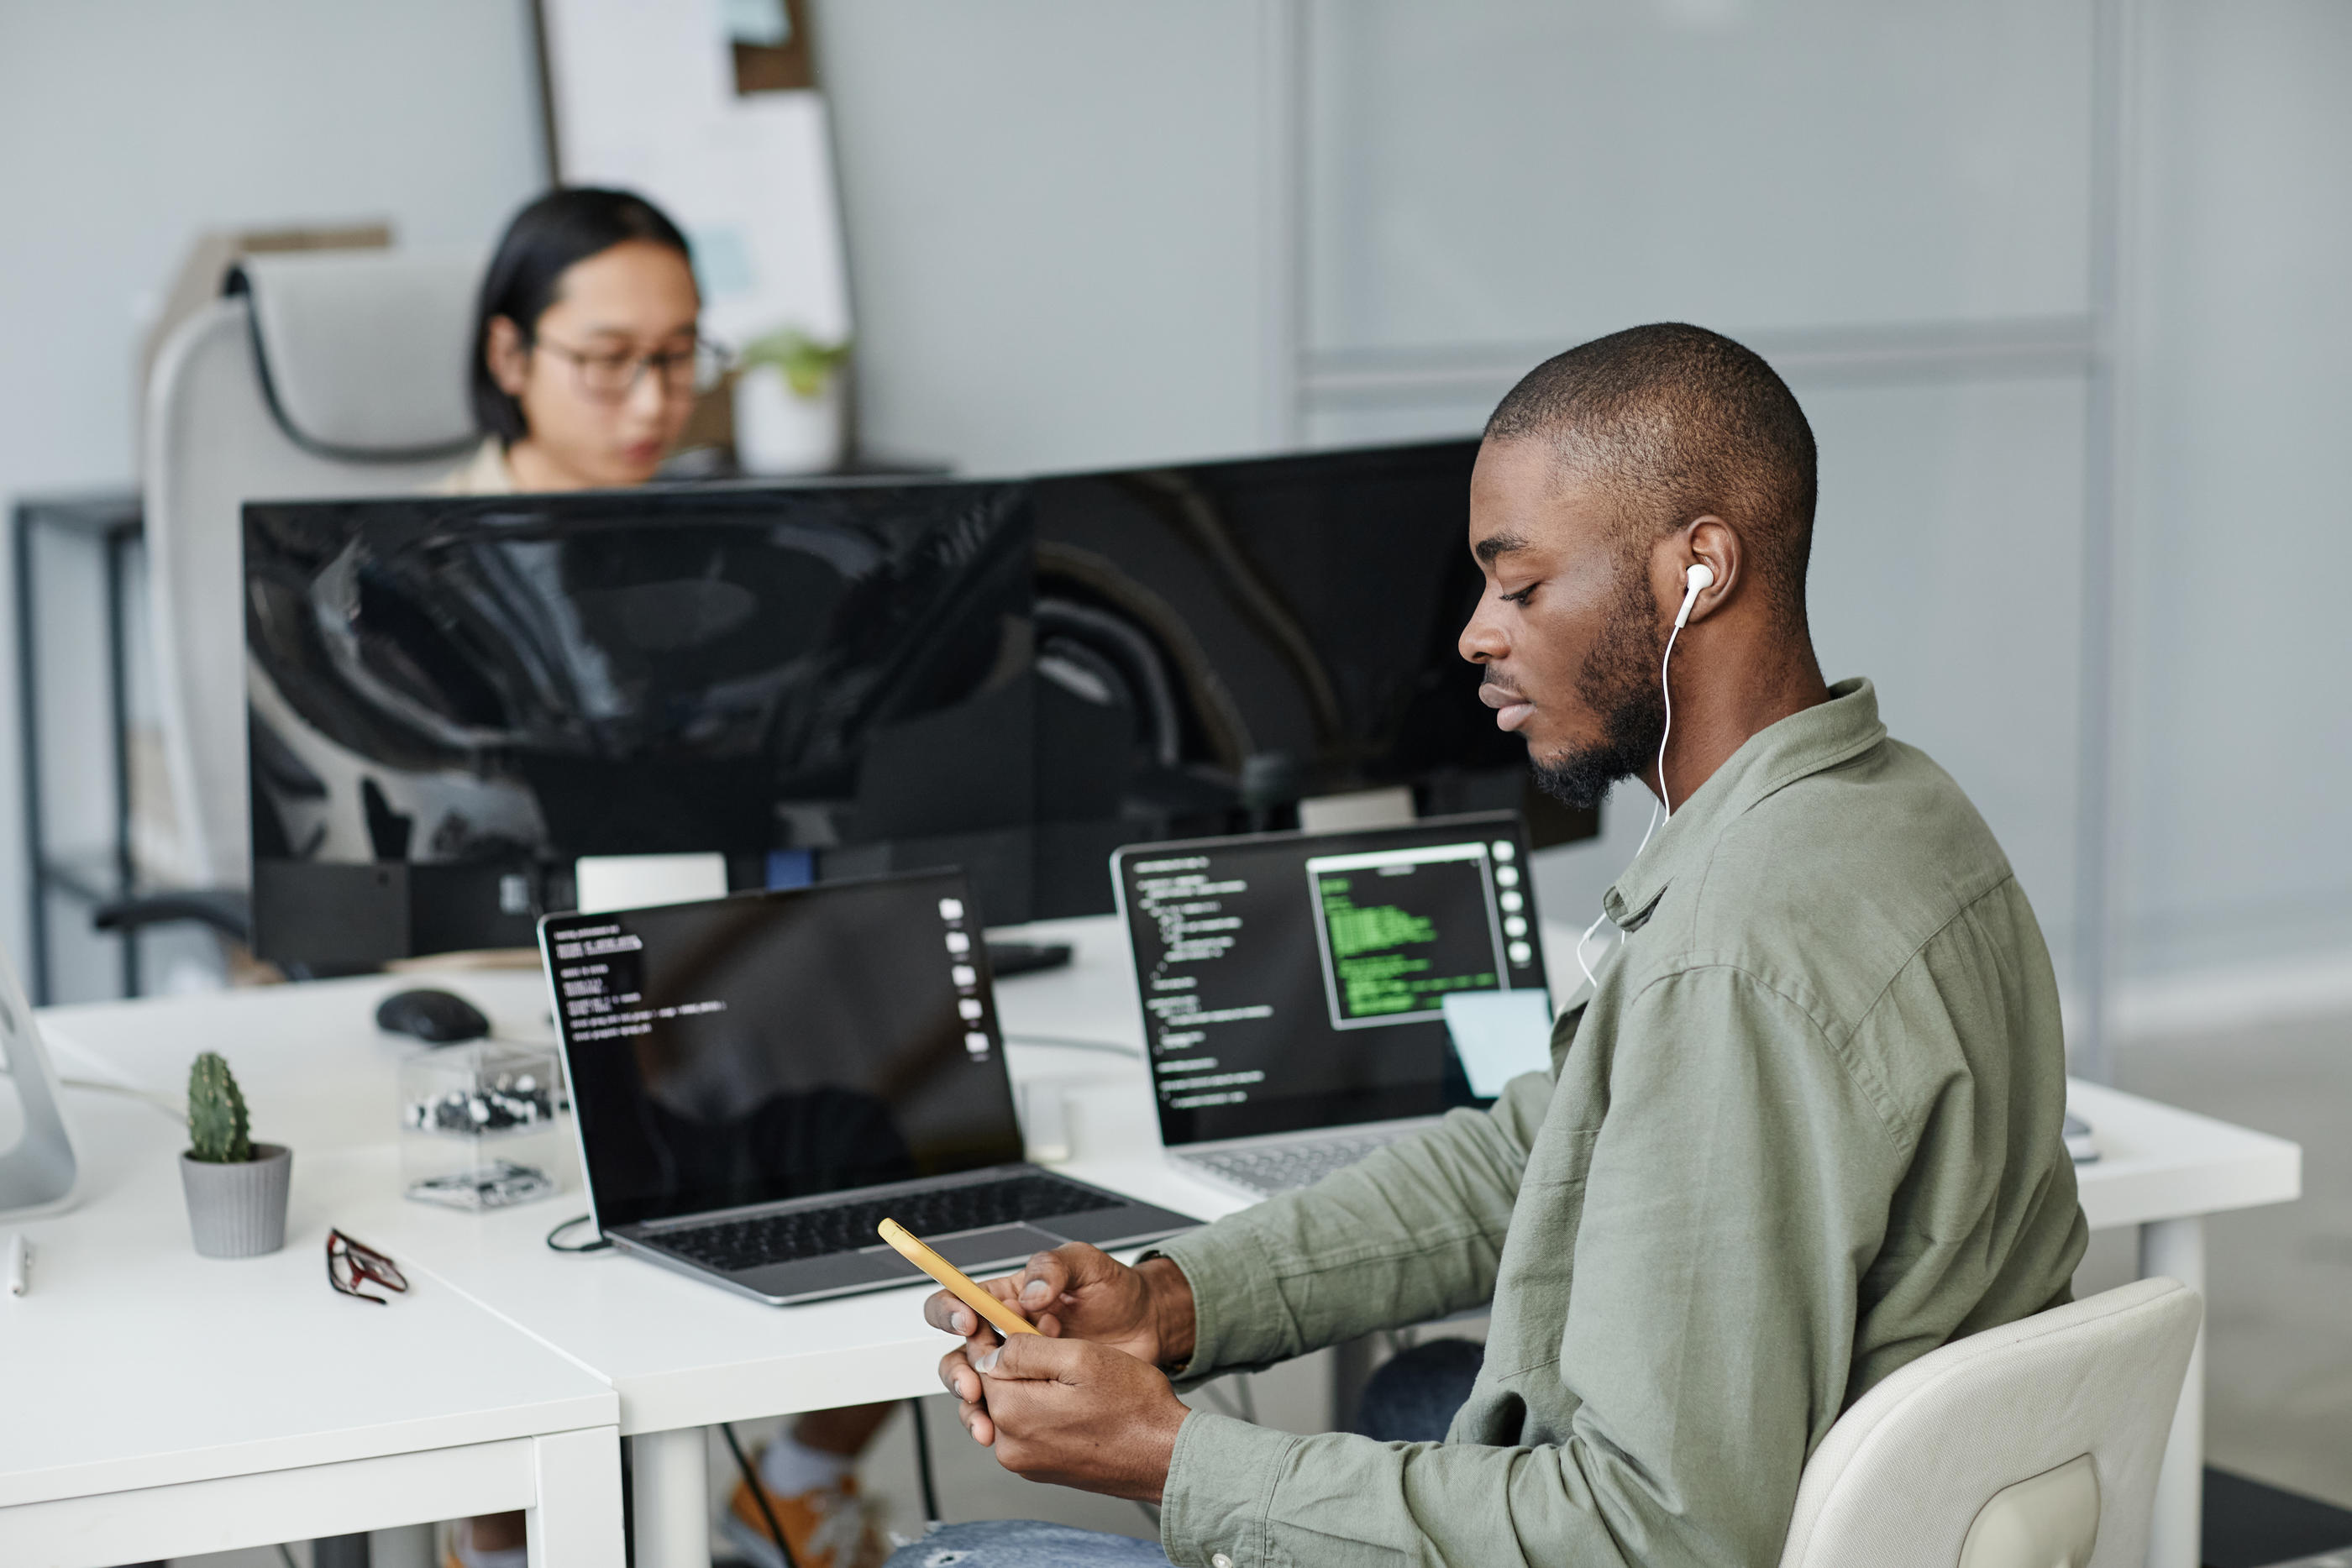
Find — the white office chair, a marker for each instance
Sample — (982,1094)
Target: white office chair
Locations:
(2034,1444)
(321,374)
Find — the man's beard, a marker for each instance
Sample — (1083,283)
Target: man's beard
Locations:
(1618,681)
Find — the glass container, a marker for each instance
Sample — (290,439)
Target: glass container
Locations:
(480,1123)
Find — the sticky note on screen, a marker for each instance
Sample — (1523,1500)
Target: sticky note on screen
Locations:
(1499,1035)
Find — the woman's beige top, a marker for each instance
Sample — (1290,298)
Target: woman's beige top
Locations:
(484,473)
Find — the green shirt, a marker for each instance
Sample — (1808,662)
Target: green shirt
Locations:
(1808,1127)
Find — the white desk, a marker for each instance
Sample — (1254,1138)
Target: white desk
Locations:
(162,1405)
(680,1356)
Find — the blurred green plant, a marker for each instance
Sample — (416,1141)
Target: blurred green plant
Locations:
(807,363)
(217,1131)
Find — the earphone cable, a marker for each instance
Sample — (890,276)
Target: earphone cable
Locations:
(1666,689)
(1580,948)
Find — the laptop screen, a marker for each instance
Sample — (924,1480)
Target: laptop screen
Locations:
(778,1045)
(1294,981)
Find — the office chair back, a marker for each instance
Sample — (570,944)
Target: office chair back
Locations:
(321,374)
(2034,1444)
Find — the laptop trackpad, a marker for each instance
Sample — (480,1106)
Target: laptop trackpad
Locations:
(999,1245)
(841,1271)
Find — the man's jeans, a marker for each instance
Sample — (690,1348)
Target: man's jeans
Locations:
(1411,1399)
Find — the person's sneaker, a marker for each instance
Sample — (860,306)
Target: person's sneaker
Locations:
(829,1527)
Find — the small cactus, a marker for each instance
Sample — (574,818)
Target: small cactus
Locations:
(217,1131)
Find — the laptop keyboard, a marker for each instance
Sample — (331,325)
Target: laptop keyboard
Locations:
(1270,1168)
(734,1244)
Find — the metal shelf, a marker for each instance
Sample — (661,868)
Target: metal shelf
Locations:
(114,522)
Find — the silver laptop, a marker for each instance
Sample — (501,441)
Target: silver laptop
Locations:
(758,1081)
(1293,985)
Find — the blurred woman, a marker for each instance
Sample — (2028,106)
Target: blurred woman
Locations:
(587,356)
(587,360)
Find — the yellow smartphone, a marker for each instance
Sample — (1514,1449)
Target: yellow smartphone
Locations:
(954,1281)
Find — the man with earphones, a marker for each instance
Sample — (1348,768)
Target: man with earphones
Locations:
(1802,1124)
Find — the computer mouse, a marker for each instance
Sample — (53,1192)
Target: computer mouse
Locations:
(435,1017)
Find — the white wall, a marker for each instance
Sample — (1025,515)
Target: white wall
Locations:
(1053,210)
(1525,172)
(1860,191)
(2237,762)
(128,125)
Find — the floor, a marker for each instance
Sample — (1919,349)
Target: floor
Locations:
(2249,1525)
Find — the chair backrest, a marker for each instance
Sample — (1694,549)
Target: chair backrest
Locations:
(325,374)
(2034,1444)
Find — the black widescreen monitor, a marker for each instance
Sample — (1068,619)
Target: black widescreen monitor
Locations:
(1218,641)
(452,699)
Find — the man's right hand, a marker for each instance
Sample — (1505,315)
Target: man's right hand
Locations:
(1083,1293)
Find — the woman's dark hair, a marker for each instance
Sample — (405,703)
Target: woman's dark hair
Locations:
(546,237)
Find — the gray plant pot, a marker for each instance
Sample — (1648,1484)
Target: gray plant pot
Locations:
(238,1211)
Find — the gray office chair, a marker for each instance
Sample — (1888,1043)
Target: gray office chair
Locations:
(2035,1444)
(318,374)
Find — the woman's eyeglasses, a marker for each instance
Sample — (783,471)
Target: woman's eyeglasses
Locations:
(353,1265)
(611,376)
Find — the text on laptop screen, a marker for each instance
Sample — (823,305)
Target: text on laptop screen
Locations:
(1293,981)
(780,1045)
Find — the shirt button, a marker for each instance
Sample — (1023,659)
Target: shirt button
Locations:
(1219,1560)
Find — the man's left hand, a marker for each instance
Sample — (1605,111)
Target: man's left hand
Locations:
(1071,1412)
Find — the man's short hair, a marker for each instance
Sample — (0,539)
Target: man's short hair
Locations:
(1675,421)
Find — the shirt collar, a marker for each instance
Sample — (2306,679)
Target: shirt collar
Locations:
(1806,742)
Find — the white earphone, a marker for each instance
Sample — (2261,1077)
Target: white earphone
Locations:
(1697,581)
(1701,578)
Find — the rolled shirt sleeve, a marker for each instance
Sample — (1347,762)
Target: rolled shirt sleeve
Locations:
(1712,1191)
(1413,1232)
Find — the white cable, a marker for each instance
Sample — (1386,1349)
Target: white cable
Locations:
(1580,948)
(1666,687)
(164,1102)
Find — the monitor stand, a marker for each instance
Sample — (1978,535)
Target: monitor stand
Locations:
(38,1171)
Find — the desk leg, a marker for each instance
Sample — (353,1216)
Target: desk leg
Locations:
(2177,1247)
(671,1489)
(576,1523)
